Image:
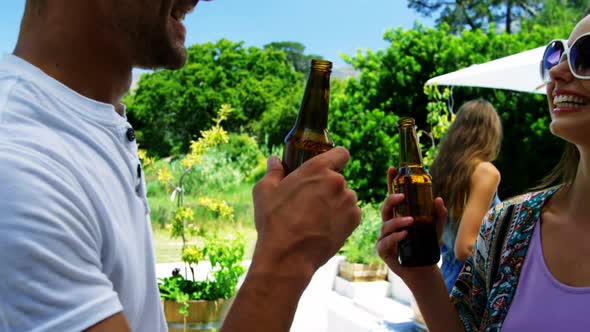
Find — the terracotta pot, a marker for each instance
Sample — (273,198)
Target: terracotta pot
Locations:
(202,315)
(362,272)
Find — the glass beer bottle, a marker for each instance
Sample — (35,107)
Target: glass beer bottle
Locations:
(309,136)
(420,247)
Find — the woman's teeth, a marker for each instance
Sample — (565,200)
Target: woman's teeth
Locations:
(568,101)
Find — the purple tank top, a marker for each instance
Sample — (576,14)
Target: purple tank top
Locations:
(541,302)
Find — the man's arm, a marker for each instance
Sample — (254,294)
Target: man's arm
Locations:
(265,303)
(115,323)
(302,220)
(49,250)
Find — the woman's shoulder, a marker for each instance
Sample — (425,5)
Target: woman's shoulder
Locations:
(486,169)
(485,173)
(509,208)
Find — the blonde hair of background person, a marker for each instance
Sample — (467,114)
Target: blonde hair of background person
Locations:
(465,178)
(504,285)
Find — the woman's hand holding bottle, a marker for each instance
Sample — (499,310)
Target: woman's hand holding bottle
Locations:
(393,231)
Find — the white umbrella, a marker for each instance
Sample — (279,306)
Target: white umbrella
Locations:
(518,72)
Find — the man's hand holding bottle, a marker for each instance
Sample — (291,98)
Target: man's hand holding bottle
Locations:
(304,218)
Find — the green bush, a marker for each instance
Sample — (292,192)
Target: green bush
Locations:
(216,172)
(225,256)
(360,246)
(244,153)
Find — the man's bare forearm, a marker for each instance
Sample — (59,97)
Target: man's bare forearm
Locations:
(265,303)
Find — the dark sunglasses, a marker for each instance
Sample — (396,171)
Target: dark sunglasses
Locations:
(578,57)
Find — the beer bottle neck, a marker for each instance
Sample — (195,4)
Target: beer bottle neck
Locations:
(409,149)
(313,113)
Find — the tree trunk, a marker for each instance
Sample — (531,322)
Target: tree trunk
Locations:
(508,15)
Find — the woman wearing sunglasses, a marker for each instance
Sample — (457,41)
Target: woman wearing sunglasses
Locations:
(529,270)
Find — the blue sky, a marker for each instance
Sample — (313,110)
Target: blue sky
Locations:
(325,27)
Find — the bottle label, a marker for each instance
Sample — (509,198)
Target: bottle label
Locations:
(418,201)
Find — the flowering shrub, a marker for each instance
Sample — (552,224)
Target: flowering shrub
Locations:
(225,255)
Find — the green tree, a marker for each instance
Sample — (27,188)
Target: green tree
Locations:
(170,108)
(477,14)
(390,85)
(556,12)
(484,14)
(295,54)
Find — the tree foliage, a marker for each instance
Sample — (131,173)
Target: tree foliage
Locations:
(295,54)
(171,108)
(391,85)
(485,14)
(558,12)
(265,88)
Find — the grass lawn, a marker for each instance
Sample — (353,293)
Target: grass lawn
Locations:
(238,196)
(168,250)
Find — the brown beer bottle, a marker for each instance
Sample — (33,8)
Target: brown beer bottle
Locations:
(420,247)
(309,136)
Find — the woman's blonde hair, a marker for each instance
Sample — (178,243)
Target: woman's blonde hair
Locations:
(565,170)
(474,136)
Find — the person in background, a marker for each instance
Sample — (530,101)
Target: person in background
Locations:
(530,269)
(465,178)
(76,251)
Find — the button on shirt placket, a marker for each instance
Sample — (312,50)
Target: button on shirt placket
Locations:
(137,171)
(130,135)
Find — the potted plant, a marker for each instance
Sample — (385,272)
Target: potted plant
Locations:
(361,261)
(198,301)
(201,303)
(361,273)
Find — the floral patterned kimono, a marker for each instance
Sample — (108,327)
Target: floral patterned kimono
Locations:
(486,286)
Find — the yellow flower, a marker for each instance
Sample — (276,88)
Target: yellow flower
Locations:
(185,213)
(198,147)
(164,175)
(214,136)
(219,206)
(142,154)
(190,160)
(192,254)
(149,161)
(223,113)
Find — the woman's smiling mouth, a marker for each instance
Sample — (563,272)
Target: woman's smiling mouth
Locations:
(566,102)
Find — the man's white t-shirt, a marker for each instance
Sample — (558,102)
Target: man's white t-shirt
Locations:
(75,238)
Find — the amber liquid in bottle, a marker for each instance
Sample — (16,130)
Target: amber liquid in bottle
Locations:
(420,247)
(309,136)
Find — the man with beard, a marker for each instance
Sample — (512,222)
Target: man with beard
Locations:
(75,241)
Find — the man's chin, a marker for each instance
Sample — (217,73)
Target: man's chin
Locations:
(173,59)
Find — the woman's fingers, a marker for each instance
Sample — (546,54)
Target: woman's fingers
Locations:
(440,213)
(388,207)
(395,225)
(387,246)
(391,174)
(392,231)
